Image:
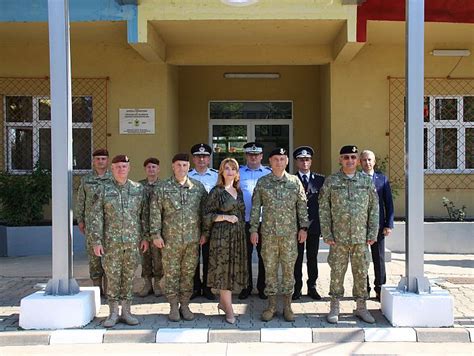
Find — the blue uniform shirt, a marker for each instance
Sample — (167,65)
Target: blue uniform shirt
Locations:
(208,179)
(248,180)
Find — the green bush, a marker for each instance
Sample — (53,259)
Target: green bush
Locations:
(22,197)
(455,214)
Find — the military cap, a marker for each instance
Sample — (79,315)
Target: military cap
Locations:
(348,149)
(120,158)
(100,152)
(253,148)
(201,149)
(151,160)
(181,157)
(278,151)
(303,152)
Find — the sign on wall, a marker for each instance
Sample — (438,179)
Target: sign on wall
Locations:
(137,121)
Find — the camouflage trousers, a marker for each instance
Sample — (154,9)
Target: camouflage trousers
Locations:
(95,262)
(338,260)
(179,264)
(276,251)
(152,265)
(120,263)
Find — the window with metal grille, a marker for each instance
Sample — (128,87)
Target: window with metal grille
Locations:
(449,134)
(28,132)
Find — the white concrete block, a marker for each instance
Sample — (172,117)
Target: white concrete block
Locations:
(418,310)
(286,335)
(471,333)
(40,311)
(93,336)
(97,302)
(390,334)
(184,335)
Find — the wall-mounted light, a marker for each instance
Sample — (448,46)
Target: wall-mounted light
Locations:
(252,75)
(451,52)
(239,2)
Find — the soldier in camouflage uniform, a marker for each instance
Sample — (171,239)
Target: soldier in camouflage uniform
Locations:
(152,266)
(349,215)
(282,197)
(175,226)
(118,227)
(89,184)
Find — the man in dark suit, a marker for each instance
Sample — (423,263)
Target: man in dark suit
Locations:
(312,183)
(386,214)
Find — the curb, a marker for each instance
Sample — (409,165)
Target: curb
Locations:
(205,335)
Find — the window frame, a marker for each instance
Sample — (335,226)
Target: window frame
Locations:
(36,124)
(457,124)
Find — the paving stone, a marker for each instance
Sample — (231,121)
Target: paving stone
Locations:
(232,336)
(130,336)
(338,335)
(442,335)
(24,338)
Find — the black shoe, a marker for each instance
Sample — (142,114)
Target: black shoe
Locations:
(313,293)
(206,292)
(262,295)
(296,295)
(196,293)
(244,294)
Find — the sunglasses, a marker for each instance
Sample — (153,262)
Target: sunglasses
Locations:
(347,157)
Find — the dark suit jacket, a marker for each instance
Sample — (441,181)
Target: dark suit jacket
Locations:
(314,186)
(386,213)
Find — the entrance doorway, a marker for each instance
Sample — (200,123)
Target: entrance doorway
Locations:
(234,123)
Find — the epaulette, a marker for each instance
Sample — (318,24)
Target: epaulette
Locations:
(213,170)
(317,174)
(268,168)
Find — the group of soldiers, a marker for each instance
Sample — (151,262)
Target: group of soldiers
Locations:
(162,219)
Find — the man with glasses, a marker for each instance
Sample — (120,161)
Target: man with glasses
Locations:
(82,210)
(249,175)
(349,215)
(208,177)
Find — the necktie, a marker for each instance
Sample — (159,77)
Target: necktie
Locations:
(305,182)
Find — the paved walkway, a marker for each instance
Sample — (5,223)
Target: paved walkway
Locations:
(18,277)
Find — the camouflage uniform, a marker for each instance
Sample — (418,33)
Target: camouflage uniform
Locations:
(175,215)
(284,210)
(349,215)
(85,193)
(152,265)
(119,222)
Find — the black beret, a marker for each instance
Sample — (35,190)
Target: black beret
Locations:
(120,158)
(348,149)
(278,151)
(100,152)
(201,149)
(303,152)
(181,157)
(151,160)
(253,148)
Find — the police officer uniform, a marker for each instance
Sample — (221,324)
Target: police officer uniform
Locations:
(248,181)
(312,183)
(209,180)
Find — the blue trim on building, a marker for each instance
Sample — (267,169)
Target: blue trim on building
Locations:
(79,10)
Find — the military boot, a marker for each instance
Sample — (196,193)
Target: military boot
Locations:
(362,313)
(127,316)
(157,287)
(333,316)
(268,313)
(174,309)
(146,288)
(113,317)
(186,313)
(97,282)
(287,311)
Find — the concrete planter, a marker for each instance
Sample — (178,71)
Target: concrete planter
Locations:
(32,240)
(440,237)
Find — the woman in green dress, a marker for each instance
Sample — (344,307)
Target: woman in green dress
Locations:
(224,217)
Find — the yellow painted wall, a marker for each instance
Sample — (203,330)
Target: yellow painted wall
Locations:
(200,84)
(360,109)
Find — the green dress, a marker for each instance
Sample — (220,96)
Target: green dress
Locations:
(227,242)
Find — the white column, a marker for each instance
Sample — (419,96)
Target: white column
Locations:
(62,282)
